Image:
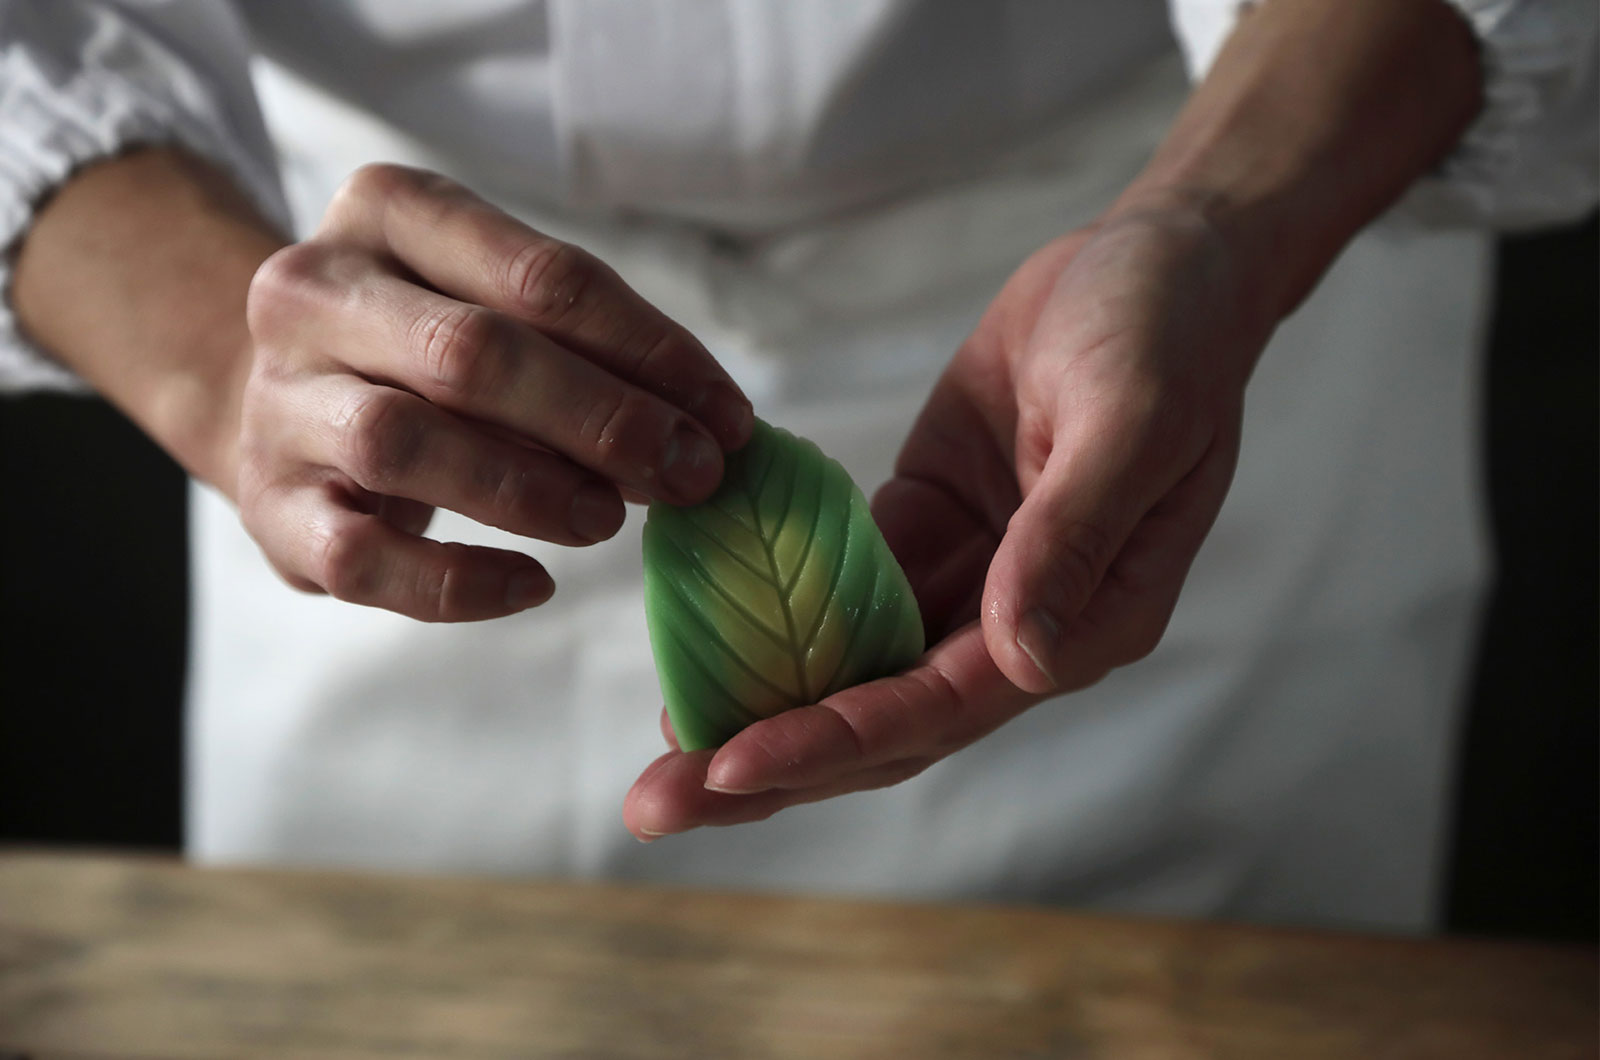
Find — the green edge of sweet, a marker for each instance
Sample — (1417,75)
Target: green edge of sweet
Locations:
(774,593)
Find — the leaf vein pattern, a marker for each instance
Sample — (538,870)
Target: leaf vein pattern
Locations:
(737,558)
(753,483)
(849,656)
(717,503)
(811,537)
(833,580)
(751,495)
(713,637)
(727,595)
(797,656)
(686,651)
(796,468)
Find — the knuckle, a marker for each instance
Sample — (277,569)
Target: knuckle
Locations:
(1167,417)
(458,346)
(1077,557)
(375,182)
(304,585)
(1035,436)
(848,735)
(1144,636)
(509,493)
(613,422)
(380,441)
(253,517)
(344,563)
(281,283)
(275,364)
(433,592)
(943,706)
(373,191)
(440,588)
(292,577)
(295,578)
(896,773)
(261,512)
(550,279)
(663,353)
(259,465)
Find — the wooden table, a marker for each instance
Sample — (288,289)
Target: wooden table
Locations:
(105,957)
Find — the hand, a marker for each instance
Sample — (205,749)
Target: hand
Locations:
(1063,475)
(425,350)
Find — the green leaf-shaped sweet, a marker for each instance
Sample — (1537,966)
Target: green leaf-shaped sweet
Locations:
(776,592)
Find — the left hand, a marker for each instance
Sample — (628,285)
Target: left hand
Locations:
(1046,507)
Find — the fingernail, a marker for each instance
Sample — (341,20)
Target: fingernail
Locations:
(648,836)
(596,512)
(729,789)
(722,787)
(1038,635)
(528,587)
(728,413)
(689,466)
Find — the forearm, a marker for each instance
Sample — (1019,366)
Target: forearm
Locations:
(134,275)
(1316,116)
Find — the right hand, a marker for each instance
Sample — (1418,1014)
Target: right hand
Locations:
(423,349)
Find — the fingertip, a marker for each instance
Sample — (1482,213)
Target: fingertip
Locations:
(722,771)
(796,748)
(669,797)
(1038,638)
(1025,647)
(528,587)
(727,413)
(597,512)
(691,466)
(740,424)
(745,765)
(642,810)
(726,783)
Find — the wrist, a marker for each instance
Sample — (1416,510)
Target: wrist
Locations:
(134,275)
(1237,242)
(195,414)
(1315,117)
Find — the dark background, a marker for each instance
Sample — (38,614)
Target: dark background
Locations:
(94,591)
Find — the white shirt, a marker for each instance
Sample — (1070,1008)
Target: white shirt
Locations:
(829,194)
(740,113)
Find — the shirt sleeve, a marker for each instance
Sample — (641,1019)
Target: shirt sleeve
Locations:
(1532,157)
(82,81)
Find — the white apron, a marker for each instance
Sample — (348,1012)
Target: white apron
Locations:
(1284,755)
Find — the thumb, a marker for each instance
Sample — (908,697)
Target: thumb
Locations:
(1058,548)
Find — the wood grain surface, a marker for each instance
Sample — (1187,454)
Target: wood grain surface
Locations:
(116,957)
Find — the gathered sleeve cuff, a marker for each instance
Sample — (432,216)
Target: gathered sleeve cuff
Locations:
(81,82)
(1532,156)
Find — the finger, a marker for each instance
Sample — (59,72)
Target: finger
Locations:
(483,365)
(941,544)
(315,535)
(394,444)
(667,732)
(407,516)
(1104,471)
(671,797)
(471,250)
(950,698)
(1126,618)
